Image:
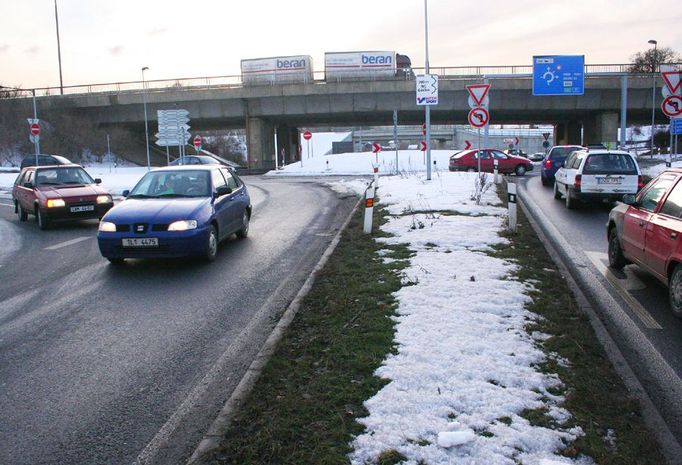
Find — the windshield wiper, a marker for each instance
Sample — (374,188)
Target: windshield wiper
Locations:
(141,196)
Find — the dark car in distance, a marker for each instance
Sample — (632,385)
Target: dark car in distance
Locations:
(647,230)
(467,160)
(552,162)
(203,160)
(59,193)
(176,211)
(30,160)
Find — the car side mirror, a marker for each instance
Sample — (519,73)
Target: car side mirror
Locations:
(223,190)
(629,199)
(28,185)
(125,193)
(98,180)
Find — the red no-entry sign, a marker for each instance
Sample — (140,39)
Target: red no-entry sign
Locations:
(307,135)
(197,141)
(35,129)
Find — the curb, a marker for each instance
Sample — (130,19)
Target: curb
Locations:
(670,447)
(216,431)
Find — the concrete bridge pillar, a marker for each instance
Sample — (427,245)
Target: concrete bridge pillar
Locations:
(602,129)
(568,133)
(287,144)
(260,138)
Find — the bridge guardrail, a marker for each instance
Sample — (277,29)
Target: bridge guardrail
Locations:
(234,81)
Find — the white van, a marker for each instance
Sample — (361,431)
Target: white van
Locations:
(604,175)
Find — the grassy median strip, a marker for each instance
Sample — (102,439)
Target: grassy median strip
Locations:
(303,408)
(615,433)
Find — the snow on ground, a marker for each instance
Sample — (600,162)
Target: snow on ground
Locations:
(464,367)
(362,163)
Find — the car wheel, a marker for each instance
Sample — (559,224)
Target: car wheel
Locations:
(675,291)
(570,201)
(520,170)
(23,214)
(41,219)
(242,233)
(557,194)
(212,244)
(616,259)
(544,180)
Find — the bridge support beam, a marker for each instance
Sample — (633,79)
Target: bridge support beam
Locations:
(602,129)
(568,133)
(260,138)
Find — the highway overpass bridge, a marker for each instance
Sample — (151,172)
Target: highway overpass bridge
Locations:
(267,110)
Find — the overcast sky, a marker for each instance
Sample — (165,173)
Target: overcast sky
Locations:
(110,41)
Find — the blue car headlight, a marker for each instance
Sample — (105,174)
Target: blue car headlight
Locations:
(107,226)
(183,225)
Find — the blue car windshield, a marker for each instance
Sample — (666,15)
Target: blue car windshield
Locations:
(158,184)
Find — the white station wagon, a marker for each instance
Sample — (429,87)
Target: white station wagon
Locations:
(603,175)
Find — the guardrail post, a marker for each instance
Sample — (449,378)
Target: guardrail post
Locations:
(511,200)
(369,208)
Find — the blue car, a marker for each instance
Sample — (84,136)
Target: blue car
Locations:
(176,211)
(552,162)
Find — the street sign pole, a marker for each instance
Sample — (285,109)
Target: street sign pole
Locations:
(427,110)
(35,117)
(395,138)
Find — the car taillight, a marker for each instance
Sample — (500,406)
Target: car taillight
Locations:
(548,164)
(640,182)
(578,181)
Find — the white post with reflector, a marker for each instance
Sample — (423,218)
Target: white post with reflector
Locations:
(376,174)
(511,201)
(495,167)
(197,143)
(369,208)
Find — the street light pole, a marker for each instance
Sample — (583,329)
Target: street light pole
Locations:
(146,129)
(653,94)
(427,108)
(59,49)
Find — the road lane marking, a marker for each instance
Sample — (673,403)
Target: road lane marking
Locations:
(68,243)
(599,259)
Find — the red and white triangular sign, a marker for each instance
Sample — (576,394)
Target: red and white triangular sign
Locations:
(672,80)
(478,92)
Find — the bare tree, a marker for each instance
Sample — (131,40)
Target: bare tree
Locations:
(650,60)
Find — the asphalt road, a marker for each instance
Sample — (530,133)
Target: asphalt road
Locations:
(100,364)
(631,304)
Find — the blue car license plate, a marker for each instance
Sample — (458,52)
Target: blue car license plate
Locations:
(140,242)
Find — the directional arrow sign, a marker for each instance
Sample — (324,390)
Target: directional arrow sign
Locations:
(478,93)
(376,148)
(422,146)
(468,145)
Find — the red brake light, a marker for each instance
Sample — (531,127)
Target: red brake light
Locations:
(548,164)
(640,182)
(578,180)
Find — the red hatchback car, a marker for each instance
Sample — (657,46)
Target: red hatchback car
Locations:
(647,230)
(59,192)
(467,160)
